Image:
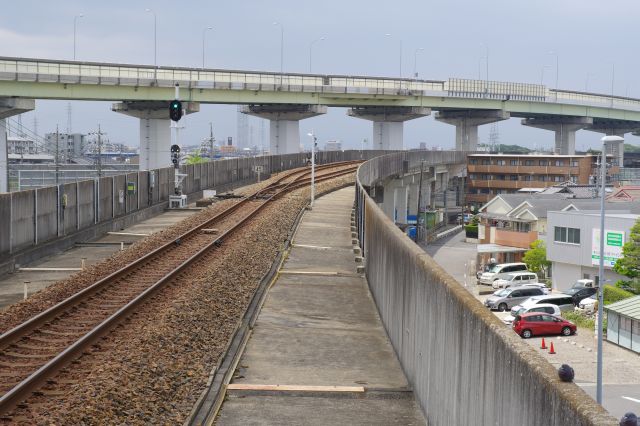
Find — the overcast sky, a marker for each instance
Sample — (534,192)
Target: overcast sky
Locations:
(590,38)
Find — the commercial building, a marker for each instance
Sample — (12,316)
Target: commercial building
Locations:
(69,145)
(333,146)
(510,223)
(573,243)
(493,174)
(21,145)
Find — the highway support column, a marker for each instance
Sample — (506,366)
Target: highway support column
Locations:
(155,129)
(565,129)
(8,108)
(614,128)
(388,123)
(467,122)
(284,126)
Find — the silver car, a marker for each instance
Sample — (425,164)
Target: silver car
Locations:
(510,297)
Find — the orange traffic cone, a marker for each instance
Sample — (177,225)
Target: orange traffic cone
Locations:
(543,345)
(551,351)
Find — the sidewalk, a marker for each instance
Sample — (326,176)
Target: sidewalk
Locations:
(318,354)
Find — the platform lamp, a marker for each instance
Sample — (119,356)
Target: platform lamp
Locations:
(603,178)
(314,141)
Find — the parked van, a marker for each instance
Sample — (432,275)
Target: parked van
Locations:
(515,279)
(512,296)
(563,301)
(501,271)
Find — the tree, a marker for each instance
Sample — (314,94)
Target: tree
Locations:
(195,158)
(629,264)
(536,257)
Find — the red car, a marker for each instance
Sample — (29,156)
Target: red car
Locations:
(537,323)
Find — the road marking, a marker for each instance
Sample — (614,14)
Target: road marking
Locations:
(631,399)
(302,388)
(313,247)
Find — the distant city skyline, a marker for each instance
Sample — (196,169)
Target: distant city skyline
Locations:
(442,40)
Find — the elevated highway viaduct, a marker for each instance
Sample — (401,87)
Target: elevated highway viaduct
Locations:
(142,91)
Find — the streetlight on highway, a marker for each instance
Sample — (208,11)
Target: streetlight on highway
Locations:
(486,58)
(542,73)
(155,36)
(586,83)
(281,49)
(311,50)
(603,178)
(389,35)
(204,31)
(557,70)
(415,61)
(75,24)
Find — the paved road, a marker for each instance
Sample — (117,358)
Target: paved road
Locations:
(621,370)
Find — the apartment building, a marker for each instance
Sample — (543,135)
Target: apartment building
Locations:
(493,174)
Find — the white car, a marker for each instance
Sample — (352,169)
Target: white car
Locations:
(588,305)
(547,308)
(516,278)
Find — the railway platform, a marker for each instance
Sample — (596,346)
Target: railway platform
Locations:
(318,353)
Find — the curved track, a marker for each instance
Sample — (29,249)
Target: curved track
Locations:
(34,351)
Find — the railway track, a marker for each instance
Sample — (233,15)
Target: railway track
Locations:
(33,352)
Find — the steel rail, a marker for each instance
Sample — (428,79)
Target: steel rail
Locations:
(11,398)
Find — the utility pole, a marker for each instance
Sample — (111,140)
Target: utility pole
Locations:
(57,155)
(211,141)
(419,202)
(99,157)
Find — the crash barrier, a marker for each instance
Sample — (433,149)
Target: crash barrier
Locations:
(464,365)
(32,217)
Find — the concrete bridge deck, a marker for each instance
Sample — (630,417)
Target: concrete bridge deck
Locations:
(319,353)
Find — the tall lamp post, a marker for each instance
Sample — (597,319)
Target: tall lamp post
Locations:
(311,50)
(281,49)
(603,178)
(389,35)
(155,36)
(204,31)
(75,24)
(486,59)
(415,61)
(557,71)
(314,140)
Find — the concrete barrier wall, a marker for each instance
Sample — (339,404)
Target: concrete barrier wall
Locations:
(86,204)
(69,213)
(464,365)
(86,208)
(22,219)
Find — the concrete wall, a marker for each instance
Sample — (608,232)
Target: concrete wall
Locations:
(464,365)
(87,209)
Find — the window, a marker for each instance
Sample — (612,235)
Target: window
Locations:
(486,162)
(557,179)
(527,178)
(542,178)
(566,235)
(501,163)
(543,163)
(514,177)
(559,163)
(500,177)
(574,163)
(473,161)
(514,162)
(528,162)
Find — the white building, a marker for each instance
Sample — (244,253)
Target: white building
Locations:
(69,145)
(21,145)
(333,146)
(573,244)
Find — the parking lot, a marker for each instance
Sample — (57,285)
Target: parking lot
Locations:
(621,369)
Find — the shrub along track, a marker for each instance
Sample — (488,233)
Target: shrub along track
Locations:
(154,367)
